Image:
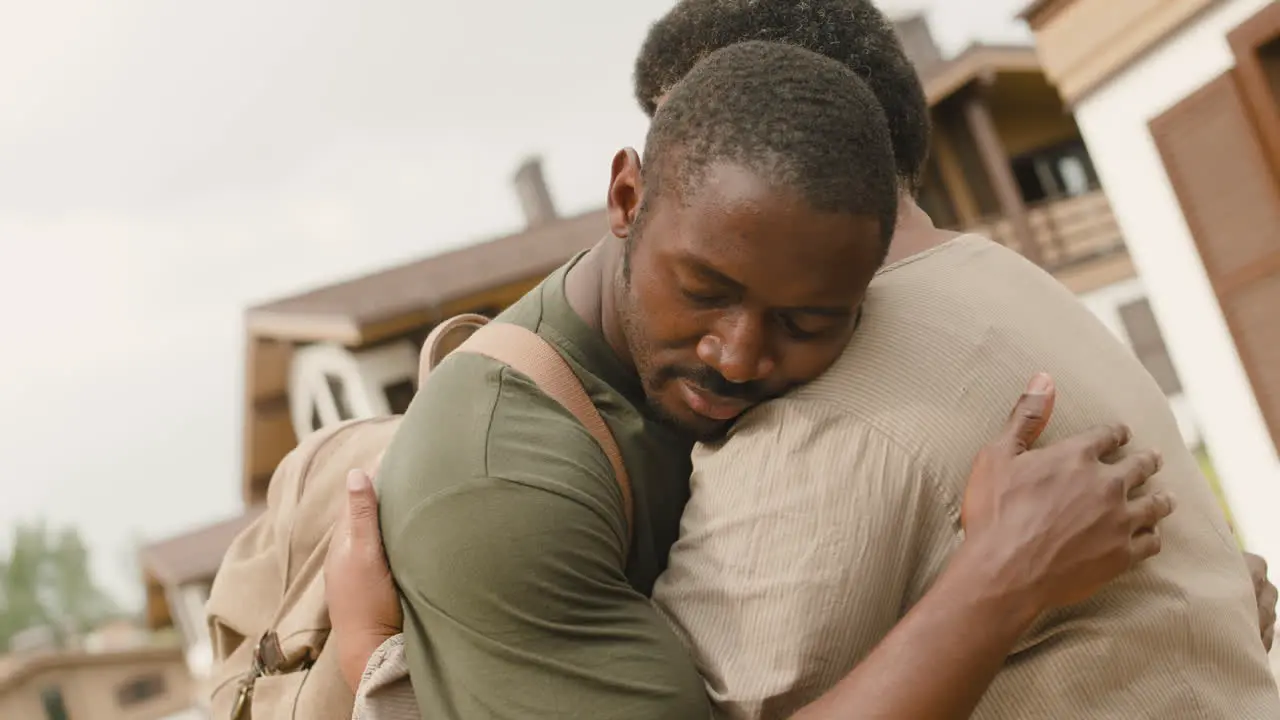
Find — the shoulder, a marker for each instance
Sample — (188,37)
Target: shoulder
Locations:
(476,418)
(473,396)
(806,452)
(803,426)
(492,541)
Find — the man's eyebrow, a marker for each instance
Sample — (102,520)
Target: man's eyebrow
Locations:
(710,273)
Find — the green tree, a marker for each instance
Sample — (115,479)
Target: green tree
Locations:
(46,581)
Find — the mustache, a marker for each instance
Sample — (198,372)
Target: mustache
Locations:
(716,384)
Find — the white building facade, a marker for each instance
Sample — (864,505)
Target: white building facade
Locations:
(1123,67)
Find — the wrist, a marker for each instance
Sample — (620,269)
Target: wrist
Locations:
(354,652)
(983,575)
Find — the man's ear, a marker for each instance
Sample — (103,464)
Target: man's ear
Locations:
(626,191)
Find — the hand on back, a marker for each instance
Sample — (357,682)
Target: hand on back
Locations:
(1061,521)
(364,607)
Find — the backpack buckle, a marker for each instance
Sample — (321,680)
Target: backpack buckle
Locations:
(268,656)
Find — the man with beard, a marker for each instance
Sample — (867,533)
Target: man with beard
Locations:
(737,271)
(828,513)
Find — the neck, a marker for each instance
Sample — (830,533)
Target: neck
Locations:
(914,232)
(592,289)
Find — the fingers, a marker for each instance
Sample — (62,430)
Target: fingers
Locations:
(1102,440)
(1143,546)
(1138,468)
(362,510)
(1030,414)
(1147,511)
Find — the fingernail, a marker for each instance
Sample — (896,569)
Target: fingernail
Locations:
(355,480)
(1041,384)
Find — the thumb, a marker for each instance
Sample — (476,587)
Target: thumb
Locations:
(1030,414)
(362,508)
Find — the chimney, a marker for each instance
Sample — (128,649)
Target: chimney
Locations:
(918,42)
(535,198)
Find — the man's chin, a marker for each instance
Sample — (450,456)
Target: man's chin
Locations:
(690,424)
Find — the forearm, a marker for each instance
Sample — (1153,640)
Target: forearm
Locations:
(939,660)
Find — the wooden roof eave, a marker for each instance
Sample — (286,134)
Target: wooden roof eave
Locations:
(300,328)
(977,62)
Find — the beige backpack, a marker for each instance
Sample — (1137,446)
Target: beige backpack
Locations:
(267,613)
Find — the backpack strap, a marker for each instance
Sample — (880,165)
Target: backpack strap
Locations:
(444,339)
(528,353)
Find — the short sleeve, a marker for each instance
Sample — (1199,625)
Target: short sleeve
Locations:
(515,608)
(796,554)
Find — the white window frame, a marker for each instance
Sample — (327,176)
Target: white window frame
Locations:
(364,375)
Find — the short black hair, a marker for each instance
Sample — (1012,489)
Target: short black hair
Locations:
(800,120)
(853,32)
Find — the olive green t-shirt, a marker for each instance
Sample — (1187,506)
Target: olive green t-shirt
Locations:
(505,531)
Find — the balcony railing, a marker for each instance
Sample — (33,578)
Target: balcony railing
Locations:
(1066,231)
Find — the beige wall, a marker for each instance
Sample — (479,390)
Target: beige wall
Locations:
(90,689)
(1083,43)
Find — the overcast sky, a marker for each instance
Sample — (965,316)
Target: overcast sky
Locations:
(164,164)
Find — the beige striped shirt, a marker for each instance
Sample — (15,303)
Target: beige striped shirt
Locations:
(827,514)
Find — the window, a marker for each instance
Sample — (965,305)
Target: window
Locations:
(1148,344)
(55,708)
(330,384)
(140,689)
(1060,171)
(339,392)
(399,395)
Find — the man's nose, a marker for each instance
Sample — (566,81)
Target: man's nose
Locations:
(738,349)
